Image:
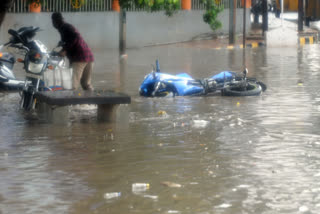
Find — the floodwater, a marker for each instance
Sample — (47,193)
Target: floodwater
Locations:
(200,155)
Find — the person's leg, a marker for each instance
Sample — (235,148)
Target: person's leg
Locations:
(86,77)
(77,68)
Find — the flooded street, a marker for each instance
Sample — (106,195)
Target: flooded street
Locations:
(200,155)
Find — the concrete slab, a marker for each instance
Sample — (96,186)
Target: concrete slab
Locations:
(69,97)
(107,101)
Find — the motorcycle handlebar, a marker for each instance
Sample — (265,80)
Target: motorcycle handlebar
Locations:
(13,32)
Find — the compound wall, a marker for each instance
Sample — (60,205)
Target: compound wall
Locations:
(101,29)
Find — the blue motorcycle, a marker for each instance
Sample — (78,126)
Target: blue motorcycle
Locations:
(158,84)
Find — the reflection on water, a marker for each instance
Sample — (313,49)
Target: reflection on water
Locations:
(198,154)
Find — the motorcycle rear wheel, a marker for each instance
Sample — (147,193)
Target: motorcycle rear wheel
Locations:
(253,89)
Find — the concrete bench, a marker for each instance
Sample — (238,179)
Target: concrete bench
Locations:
(107,101)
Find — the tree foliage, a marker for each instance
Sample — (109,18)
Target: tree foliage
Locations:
(169,6)
(211,15)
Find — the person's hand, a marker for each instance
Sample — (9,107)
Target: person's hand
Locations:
(63,53)
(61,44)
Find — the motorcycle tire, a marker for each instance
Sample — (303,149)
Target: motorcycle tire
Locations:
(253,89)
(263,86)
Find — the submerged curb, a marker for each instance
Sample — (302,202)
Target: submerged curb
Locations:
(250,45)
(307,40)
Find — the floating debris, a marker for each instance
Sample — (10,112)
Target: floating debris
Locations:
(194,183)
(200,123)
(140,187)
(173,211)
(154,197)
(244,186)
(162,113)
(110,195)
(224,206)
(171,184)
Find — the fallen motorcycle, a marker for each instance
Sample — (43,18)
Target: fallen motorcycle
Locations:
(158,84)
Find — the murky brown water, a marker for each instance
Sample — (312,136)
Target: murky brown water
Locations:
(230,155)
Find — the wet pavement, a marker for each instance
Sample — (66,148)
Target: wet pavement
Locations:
(198,154)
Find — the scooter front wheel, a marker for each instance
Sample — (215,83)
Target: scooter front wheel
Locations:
(253,89)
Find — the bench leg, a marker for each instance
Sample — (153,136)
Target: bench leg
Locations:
(107,112)
(53,115)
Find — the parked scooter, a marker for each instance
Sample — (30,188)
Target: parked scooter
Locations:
(8,80)
(157,84)
(37,60)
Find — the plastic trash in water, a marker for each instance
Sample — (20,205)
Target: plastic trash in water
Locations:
(173,211)
(171,184)
(153,197)
(140,187)
(199,123)
(162,113)
(224,205)
(110,195)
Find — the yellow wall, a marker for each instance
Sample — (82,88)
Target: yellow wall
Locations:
(288,5)
(313,9)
